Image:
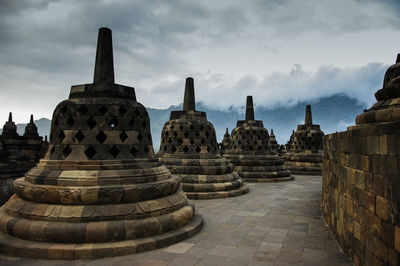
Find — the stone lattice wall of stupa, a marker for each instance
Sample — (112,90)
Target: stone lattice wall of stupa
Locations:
(250,153)
(18,154)
(189,149)
(99,191)
(305,154)
(361,188)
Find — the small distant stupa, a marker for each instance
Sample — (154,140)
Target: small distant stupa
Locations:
(305,154)
(18,154)
(249,151)
(273,144)
(190,150)
(226,141)
(289,143)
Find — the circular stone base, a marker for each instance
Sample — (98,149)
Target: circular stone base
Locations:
(304,168)
(268,180)
(24,248)
(305,172)
(218,194)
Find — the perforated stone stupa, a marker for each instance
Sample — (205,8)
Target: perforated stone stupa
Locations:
(99,191)
(273,144)
(305,154)
(289,142)
(189,149)
(226,141)
(250,153)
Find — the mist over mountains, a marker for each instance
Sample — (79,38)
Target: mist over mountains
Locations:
(333,113)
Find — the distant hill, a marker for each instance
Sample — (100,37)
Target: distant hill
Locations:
(333,113)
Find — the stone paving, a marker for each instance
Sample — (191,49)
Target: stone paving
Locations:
(275,224)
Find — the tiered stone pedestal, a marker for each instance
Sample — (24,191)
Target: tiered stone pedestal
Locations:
(304,163)
(98,214)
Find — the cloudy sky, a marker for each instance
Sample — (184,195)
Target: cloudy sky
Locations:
(279,51)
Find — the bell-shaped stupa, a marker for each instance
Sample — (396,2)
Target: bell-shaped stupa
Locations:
(31,130)
(9,128)
(189,149)
(273,144)
(250,153)
(289,142)
(305,154)
(99,191)
(226,141)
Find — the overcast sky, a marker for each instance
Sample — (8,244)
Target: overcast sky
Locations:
(279,51)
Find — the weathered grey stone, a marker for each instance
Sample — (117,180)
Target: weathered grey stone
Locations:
(250,152)
(18,154)
(190,150)
(304,155)
(360,180)
(99,186)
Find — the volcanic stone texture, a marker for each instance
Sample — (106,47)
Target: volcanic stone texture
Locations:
(273,144)
(99,191)
(18,154)
(250,153)
(226,141)
(361,188)
(190,150)
(305,154)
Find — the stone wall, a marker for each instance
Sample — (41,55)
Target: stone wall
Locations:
(361,192)
(17,156)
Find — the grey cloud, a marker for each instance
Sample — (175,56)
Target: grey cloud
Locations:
(279,88)
(46,46)
(291,18)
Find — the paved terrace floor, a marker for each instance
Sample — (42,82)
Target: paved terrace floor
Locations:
(274,224)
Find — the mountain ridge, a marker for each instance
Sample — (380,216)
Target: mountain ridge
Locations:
(332,113)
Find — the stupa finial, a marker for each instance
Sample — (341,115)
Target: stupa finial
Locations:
(104,65)
(272,131)
(188,100)
(31,120)
(10,117)
(398,59)
(308,119)
(226,132)
(249,108)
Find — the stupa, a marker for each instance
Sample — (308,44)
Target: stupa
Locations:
(189,149)
(99,191)
(250,153)
(224,145)
(273,144)
(18,154)
(305,154)
(289,142)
